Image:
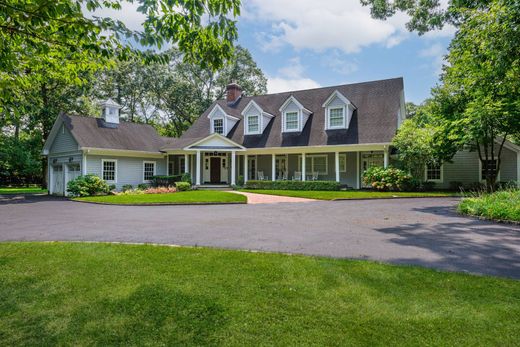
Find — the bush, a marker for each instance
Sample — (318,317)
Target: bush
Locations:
(506,185)
(165,181)
(87,185)
(292,185)
(183,186)
(386,179)
(142,186)
(240,181)
(126,187)
(456,185)
(427,186)
(112,187)
(186,177)
(502,205)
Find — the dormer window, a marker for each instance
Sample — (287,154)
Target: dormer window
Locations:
(338,111)
(218,126)
(253,124)
(255,118)
(291,121)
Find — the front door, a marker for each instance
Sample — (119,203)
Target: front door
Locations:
(251,168)
(215,170)
(370,160)
(281,168)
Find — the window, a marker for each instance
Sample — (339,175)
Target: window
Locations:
(490,165)
(342,163)
(291,121)
(148,170)
(252,124)
(336,117)
(218,126)
(434,172)
(182,165)
(315,164)
(109,168)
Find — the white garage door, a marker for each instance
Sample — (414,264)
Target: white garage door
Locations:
(57,178)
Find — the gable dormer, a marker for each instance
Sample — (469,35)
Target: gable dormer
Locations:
(255,119)
(338,111)
(221,122)
(294,115)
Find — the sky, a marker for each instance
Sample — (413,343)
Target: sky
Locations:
(301,44)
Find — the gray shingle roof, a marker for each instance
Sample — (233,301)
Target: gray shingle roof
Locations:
(374,121)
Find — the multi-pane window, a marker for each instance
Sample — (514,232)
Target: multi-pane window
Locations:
(109,170)
(489,166)
(218,126)
(182,165)
(252,124)
(148,170)
(291,121)
(315,164)
(342,163)
(433,172)
(336,117)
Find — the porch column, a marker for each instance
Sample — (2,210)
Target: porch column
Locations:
(167,164)
(245,168)
(336,165)
(386,157)
(358,178)
(197,175)
(273,166)
(233,168)
(303,167)
(186,160)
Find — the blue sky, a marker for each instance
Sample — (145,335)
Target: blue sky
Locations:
(301,44)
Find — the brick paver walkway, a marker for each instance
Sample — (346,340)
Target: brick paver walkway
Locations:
(253,198)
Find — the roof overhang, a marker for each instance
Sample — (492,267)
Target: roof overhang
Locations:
(121,152)
(215,142)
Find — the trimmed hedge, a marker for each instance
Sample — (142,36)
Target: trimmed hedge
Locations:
(165,181)
(293,185)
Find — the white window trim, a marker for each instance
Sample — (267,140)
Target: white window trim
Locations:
(344,168)
(482,179)
(344,110)
(223,125)
(298,117)
(247,132)
(181,159)
(441,180)
(154,169)
(311,158)
(103,170)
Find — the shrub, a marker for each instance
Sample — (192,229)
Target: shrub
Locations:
(165,181)
(456,185)
(386,179)
(183,186)
(506,185)
(240,181)
(142,186)
(292,185)
(87,185)
(131,192)
(160,190)
(126,187)
(112,187)
(502,205)
(427,186)
(186,177)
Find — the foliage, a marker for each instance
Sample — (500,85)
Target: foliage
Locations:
(160,190)
(189,197)
(142,186)
(240,181)
(501,205)
(392,179)
(417,185)
(183,186)
(127,293)
(19,160)
(349,194)
(87,185)
(186,177)
(165,180)
(22,190)
(292,185)
(126,187)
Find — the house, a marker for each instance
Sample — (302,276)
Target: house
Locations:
(330,133)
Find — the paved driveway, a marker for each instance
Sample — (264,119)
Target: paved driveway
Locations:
(412,231)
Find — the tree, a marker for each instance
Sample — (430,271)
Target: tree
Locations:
(478,102)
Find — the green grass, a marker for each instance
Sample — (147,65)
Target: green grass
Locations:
(22,190)
(348,194)
(100,294)
(503,205)
(189,197)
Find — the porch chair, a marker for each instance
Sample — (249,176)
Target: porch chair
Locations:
(297,176)
(314,176)
(262,177)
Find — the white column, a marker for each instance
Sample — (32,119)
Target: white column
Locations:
(336,165)
(84,165)
(186,160)
(245,168)
(386,157)
(273,166)
(303,168)
(167,164)
(358,176)
(50,180)
(233,168)
(197,165)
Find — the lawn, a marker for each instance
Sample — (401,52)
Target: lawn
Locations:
(22,190)
(189,197)
(503,205)
(348,194)
(108,294)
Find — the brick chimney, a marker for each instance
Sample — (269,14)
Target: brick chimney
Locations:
(233,93)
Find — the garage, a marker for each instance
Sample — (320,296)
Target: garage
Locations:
(61,174)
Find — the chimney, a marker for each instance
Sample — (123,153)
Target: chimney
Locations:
(110,111)
(233,93)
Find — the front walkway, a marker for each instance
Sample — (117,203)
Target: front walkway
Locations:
(253,198)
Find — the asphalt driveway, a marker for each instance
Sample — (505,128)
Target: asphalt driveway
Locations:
(425,232)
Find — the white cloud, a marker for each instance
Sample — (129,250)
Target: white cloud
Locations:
(435,52)
(290,77)
(336,63)
(128,15)
(322,25)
